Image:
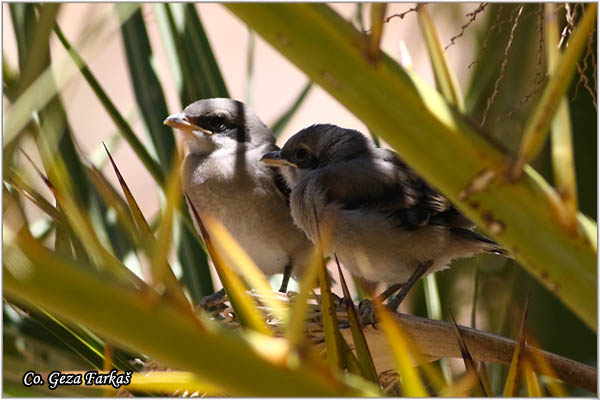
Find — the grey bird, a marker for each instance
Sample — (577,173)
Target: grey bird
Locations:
(388,224)
(223,176)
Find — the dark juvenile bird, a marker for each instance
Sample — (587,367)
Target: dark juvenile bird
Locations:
(222,176)
(389,225)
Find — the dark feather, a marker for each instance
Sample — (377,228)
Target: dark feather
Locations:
(492,247)
(279,180)
(395,190)
(281,185)
(381,182)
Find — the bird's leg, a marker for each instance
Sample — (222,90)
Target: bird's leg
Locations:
(212,300)
(390,291)
(394,303)
(287,272)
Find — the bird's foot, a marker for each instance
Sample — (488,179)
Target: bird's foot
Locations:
(215,300)
(366,313)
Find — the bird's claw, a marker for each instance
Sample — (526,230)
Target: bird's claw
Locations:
(213,300)
(366,312)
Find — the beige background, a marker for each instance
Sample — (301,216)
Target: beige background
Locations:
(94,30)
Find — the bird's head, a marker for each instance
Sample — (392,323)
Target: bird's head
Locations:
(211,124)
(316,147)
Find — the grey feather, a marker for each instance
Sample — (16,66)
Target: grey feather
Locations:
(387,220)
(223,176)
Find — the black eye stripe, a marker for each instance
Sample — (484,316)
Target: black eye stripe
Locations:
(215,123)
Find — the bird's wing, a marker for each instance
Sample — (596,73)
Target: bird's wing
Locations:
(384,183)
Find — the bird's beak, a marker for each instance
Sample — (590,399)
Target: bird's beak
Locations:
(183,123)
(274,158)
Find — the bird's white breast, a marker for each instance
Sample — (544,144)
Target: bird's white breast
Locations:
(240,192)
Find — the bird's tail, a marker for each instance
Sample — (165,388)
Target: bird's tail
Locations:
(487,245)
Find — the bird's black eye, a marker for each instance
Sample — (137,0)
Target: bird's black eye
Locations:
(301,155)
(218,124)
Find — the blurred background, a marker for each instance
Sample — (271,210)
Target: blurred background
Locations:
(255,73)
(275,83)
